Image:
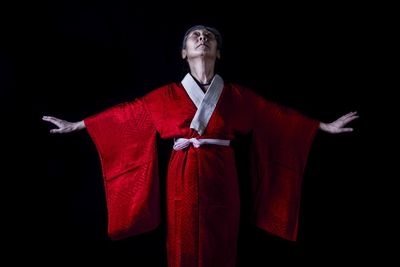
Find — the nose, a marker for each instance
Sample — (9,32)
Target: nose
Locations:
(203,37)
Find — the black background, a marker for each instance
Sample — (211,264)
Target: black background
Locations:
(71,59)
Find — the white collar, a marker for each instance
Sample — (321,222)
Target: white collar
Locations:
(205,102)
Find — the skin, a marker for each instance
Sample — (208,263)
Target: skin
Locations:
(201,53)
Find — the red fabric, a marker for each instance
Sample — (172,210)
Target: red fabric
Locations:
(125,138)
(202,188)
(282,138)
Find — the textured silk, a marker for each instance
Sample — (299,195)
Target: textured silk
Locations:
(203,202)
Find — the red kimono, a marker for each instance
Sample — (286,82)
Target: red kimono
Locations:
(202,188)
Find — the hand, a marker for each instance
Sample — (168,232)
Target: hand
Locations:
(64,126)
(338,125)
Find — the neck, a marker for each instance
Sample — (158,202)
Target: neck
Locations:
(202,70)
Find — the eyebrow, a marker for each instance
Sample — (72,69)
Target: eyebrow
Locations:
(205,32)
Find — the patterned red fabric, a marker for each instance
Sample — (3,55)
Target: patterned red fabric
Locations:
(202,187)
(125,138)
(282,138)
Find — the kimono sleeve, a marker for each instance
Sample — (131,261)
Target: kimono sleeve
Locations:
(125,138)
(281,141)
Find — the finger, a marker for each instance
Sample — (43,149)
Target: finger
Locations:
(353,113)
(46,118)
(344,130)
(348,115)
(342,118)
(349,119)
(346,118)
(49,118)
(55,131)
(59,123)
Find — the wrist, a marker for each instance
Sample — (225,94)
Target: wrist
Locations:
(323,126)
(80,125)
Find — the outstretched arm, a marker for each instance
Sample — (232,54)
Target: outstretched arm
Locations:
(64,126)
(338,126)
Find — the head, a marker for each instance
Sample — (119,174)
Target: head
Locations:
(201,40)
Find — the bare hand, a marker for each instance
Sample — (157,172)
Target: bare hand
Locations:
(64,126)
(338,126)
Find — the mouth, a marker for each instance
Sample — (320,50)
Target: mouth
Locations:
(202,45)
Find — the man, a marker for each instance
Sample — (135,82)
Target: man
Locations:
(203,115)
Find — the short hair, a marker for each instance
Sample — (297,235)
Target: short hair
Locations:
(202,27)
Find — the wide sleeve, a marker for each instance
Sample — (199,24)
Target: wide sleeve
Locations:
(125,138)
(281,141)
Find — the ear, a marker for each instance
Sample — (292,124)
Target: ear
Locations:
(183,53)
(218,54)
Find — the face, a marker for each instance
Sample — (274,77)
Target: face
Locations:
(201,43)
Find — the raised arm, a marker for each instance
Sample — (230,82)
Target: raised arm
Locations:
(338,126)
(64,126)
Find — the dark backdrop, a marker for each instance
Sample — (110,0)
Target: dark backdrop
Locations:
(71,59)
